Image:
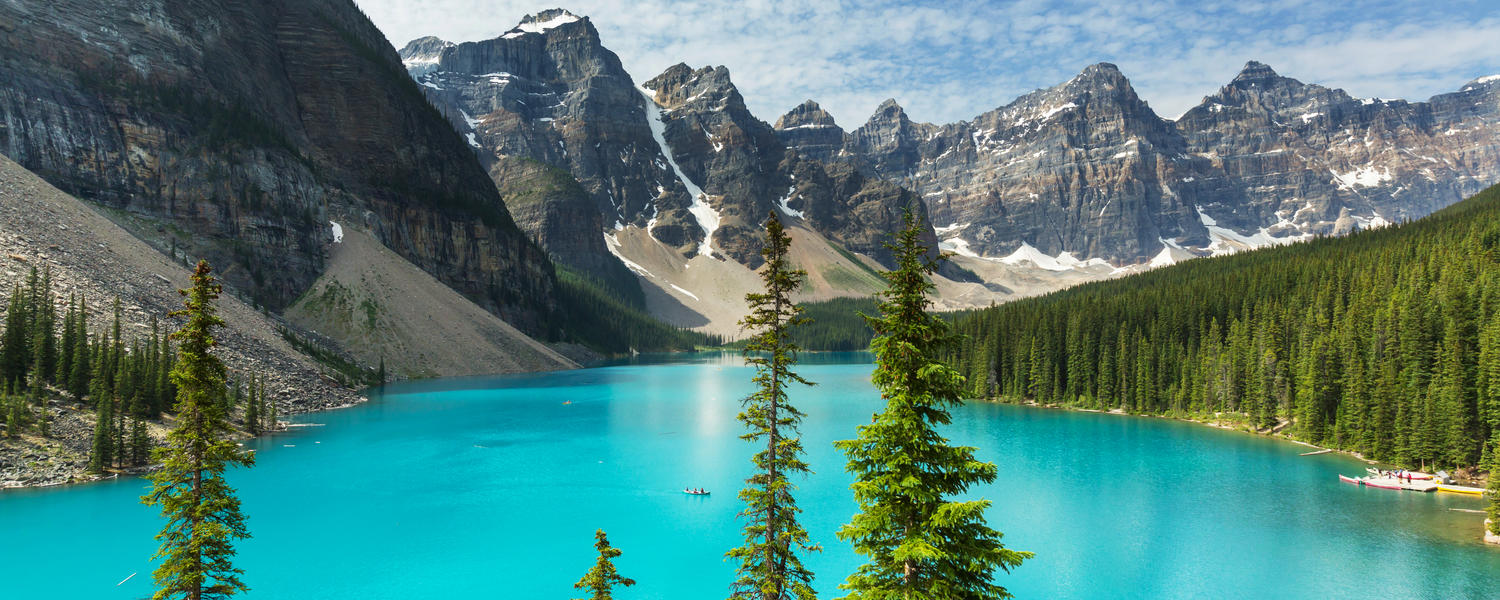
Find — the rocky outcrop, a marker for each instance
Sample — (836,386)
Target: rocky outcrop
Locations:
(420,56)
(844,204)
(548,91)
(1087,170)
(236,133)
(812,131)
(732,155)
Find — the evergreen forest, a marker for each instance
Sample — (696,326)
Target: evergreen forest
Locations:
(1384,342)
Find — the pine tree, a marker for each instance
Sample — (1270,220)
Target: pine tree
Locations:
(15,351)
(82,369)
(252,410)
(203,515)
(602,578)
(104,436)
(65,345)
(270,413)
(1494,489)
(769,567)
(918,542)
(140,444)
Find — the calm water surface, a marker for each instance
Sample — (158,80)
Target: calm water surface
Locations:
(492,488)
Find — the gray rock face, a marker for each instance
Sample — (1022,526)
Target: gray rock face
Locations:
(236,133)
(732,155)
(1088,168)
(812,131)
(1311,160)
(549,92)
(420,56)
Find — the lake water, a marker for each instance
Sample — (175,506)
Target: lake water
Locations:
(492,488)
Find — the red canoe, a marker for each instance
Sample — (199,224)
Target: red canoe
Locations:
(1349,480)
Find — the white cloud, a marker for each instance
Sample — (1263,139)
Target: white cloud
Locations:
(954,60)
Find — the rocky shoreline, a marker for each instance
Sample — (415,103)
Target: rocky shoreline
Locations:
(33,461)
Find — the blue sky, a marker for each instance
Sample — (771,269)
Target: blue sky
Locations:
(949,61)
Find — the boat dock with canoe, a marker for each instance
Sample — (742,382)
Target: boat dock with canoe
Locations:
(1393,483)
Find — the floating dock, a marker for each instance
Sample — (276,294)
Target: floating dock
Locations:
(1392,483)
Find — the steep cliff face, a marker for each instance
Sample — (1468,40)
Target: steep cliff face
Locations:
(812,131)
(1086,170)
(680,155)
(236,133)
(1312,160)
(420,56)
(731,154)
(550,92)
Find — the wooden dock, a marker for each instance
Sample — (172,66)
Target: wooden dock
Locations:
(1392,483)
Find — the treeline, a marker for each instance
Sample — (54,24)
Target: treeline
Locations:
(1384,342)
(125,384)
(606,322)
(836,325)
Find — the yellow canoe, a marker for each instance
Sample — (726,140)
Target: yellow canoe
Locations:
(1459,489)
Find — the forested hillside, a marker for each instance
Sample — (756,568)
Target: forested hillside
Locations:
(1385,342)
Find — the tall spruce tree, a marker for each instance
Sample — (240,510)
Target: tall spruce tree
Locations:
(80,365)
(252,410)
(103,454)
(918,542)
(203,515)
(769,566)
(602,578)
(15,342)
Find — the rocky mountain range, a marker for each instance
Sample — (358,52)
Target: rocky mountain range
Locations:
(1086,170)
(1076,182)
(678,155)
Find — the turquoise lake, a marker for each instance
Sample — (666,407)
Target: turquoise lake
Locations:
(493,487)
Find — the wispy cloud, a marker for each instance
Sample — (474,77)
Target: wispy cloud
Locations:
(946,61)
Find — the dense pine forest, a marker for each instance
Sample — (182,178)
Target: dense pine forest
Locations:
(125,384)
(1385,342)
(612,321)
(837,325)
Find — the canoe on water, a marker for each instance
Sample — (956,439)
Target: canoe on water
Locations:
(1347,479)
(696,493)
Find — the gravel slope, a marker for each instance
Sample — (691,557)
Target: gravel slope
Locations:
(380,306)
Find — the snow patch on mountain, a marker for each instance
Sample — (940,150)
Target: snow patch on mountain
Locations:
(1029,253)
(613,243)
(562,18)
(707,217)
(787,210)
(1365,176)
(1229,241)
